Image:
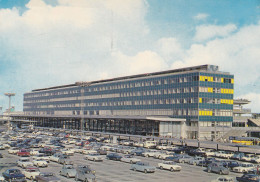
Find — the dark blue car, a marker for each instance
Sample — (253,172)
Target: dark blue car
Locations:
(114,156)
(248,178)
(14,175)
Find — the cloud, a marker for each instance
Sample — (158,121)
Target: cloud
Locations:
(255,101)
(201,16)
(206,32)
(72,41)
(170,48)
(237,53)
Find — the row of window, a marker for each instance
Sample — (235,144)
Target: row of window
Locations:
(216,90)
(215,101)
(135,84)
(133,94)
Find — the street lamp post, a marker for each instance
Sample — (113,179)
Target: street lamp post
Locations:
(9,108)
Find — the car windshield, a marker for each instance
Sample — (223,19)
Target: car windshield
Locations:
(14,171)
(47,174)
(25,160)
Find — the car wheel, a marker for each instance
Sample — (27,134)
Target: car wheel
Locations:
(31,178)
(161,167)
(194,163)
(147,155)
(209,170)
(94,160)
(145,171)
(131,162)
(182,162)
(23,166)
(38,165)
(68,176)
(220,172)
(134,169)
(172,169)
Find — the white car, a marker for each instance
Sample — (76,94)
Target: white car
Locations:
(94,157)
(67,152)
(248,157)
(89,152)
(256,159)
(130,159)
(169,165)
(13,150)
(34,152)
(55,157)
(31,172)
(107,140)
(2,178)
(149,153)
(138,144)
(42,156)
(24,162)
(2,147)
(224,179)
(40,163)
(209,152)
(6,145)
(244,167)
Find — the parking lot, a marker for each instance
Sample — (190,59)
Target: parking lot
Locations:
(117,171)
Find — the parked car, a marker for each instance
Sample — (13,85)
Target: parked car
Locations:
(138,151)
(13,150)
(24,162)
(68,170)
(114,156)
(224,179)
(14,175)
(94,157)
(55,157)
(248,178)
(47,177)
(197,160)
(217,167)
(85,173)
(143,167)
(23,153)
(130,159)
(31,172)
(244,167)
(67,152)
(64,159)
(237,155)
(40,163)
(41,156)
(169,165)
(248,157)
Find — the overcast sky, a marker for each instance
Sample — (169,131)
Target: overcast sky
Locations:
(46,43)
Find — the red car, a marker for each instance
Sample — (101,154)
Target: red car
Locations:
(23,153)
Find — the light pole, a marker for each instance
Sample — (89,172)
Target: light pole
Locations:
(82,85)
(9,108)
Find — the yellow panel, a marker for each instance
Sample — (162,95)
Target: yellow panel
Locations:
(200,100)
(210,113)
(232,91)
(201,78)
(222,90)
(200,113)
(222,80)
(210,89)
(232,101)
(232,81)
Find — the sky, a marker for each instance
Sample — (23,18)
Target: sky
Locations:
(45,43)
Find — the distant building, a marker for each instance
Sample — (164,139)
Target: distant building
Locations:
(192,102)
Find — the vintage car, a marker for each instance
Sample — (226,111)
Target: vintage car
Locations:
(68,170)
(143,167)
(40,163)
(24,162)
(169,165)
(34,152)
(196,160)
(149,153)
(130,159)
(94,157)
(13,150)
(64,159)
(217,167)
(31,172)
(23,153)
(42,156)
(114,156)
(248,178)
(90,151)
(224,179)
(244,167)
(248,157)
(67,152)
(47,177)
(84,173)
(55,157)
(14,175)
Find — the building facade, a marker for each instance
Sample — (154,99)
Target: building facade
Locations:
(200,95)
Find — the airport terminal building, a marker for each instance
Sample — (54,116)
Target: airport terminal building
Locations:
(192,102)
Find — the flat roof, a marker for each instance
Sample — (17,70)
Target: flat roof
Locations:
(193,68)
